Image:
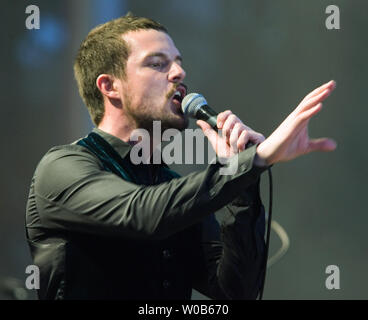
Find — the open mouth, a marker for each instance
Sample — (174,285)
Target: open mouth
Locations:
(179,94)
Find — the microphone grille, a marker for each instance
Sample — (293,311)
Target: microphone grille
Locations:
(191,103)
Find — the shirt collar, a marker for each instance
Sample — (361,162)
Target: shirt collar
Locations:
(121,147)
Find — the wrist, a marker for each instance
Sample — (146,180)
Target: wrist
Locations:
(260,160)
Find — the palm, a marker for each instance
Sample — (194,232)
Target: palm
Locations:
(300,144)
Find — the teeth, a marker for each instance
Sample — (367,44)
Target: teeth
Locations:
(177,93)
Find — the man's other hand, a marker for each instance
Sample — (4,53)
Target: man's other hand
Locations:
(290,139)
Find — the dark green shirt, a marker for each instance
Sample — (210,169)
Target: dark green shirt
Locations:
(96,236)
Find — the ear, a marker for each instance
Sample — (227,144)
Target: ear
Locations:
(108,86)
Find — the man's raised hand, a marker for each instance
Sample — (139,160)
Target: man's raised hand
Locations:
(291,139)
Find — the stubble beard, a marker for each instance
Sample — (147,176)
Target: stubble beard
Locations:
(143,118)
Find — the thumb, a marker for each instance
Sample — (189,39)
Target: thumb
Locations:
(204,125)
(322,144)
(208,132)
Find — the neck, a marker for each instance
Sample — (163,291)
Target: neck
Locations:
(122,128)
(118,129)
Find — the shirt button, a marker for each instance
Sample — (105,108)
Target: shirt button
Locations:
(166,253)
(166,284)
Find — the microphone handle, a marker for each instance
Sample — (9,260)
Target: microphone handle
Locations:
(207,114)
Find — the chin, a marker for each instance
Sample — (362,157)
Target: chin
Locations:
(179,122)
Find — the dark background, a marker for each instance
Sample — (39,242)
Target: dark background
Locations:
(257,58)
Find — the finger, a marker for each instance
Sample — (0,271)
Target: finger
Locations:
(210,133)
(306,115)
(313,101)
(322,144)
(318,98)
(255,137)
(329,85)
(259,138)
(234,137)
(243,140)
(221,118)
(204,126)
(231,120)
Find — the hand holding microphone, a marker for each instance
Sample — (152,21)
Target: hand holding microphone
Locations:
(235,134)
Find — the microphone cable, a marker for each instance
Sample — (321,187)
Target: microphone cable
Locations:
(268,232)
(285,243)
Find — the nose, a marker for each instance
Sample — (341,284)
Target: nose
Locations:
(176,73)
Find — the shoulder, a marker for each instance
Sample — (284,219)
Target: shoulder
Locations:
(63,165)
(67,155)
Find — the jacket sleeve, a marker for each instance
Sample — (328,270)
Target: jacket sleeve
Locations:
(230,260)
(73,193)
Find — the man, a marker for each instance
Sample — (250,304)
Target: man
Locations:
(102,227)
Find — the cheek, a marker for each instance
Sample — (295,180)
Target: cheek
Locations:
(147,87)
(154,90)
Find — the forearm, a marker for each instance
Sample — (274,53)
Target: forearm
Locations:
(102,203)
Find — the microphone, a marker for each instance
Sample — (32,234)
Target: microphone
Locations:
(195,106)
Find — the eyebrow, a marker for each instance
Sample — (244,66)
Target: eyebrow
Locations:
(162,55)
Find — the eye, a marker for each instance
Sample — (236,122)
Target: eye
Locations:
(156,65)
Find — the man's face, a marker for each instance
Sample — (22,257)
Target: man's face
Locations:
(153,75)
